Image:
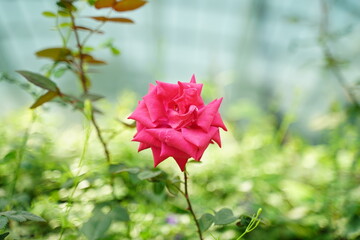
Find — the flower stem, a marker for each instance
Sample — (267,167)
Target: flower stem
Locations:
(186,195)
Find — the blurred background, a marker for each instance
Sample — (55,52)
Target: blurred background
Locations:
(266,52)
(289,75)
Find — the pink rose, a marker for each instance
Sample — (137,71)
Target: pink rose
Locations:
(173,121)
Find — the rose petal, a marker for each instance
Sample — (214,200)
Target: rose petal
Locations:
(141,115)
(174,139)
(143,146)
(179,156)
(155,106)
(200,152)
(177,120)
(184,85)
(167,91)
(167,151)
(190,96)
(199,137)
(218,122)
(193,79)
(181,162)
(147,138)
(157,157)
(151,87)
(207,114)
(217,138)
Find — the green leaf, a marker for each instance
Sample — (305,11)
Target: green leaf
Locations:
(88,49)
(39,80)
(56,54)
(17,218)
(9,156)
(119,213)
(194,162)
(60,71)
(243,222)
(115,51)
(21,216)
(96,226)
(66,5)
(173,186)
(158,187)
(63,14)
(224,216)
(3,221)
(4,235)
(65,24)
(50,95)
(120,168)
(31,217)
(148,174)
(49,14)
(91,2)
(205,221)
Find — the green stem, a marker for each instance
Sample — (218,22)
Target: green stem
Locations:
(85,90)
(77,177)
(190,208)
(20,155)
(252,225)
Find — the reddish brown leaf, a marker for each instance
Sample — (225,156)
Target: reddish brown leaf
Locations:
(57,54)
(115,19)
(87,29)
(90,59)
(128,5)
(44,98)
(94,61)
(104,3)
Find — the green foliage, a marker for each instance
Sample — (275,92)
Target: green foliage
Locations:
(205,221)
(39,80)
(21,216)
(307,190)
(4,235)
(3,221)
(298,184)
(224,216)
(96,226)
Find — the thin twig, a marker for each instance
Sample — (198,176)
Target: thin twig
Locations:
(186,195)
(323,29)
(99,134)
(85,89)
(81,59)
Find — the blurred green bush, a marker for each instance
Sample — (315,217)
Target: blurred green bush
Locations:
(306,191)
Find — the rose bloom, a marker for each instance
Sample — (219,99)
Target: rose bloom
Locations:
(173,121)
